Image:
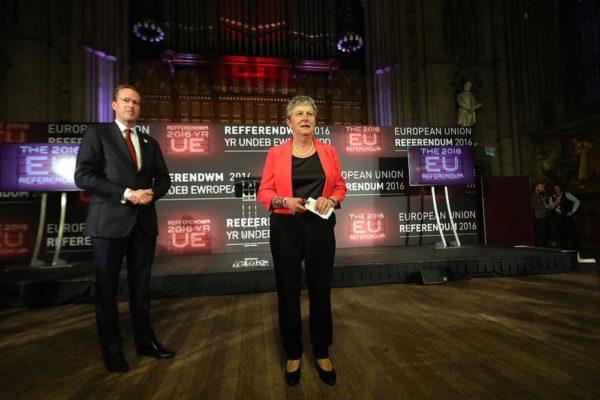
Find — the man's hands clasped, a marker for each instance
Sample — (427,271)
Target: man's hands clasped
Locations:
(141,197)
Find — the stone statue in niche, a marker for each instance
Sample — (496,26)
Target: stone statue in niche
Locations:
(582,149)
(466,106)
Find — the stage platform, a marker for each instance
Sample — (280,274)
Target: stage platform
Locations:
(213,274)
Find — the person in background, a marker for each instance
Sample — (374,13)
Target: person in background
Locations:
(539,203)
(295,171)
(565,205)
(126,173)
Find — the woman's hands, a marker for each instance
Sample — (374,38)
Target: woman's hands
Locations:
(323,204)
(295,205)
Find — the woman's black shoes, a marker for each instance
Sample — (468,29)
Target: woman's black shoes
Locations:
(292,378)
(327,377)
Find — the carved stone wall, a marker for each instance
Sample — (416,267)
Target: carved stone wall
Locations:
(59,60)
(35,59)
(419,53)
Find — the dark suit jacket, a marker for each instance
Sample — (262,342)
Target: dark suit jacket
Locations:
(105,168)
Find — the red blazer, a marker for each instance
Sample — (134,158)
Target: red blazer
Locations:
(277,174)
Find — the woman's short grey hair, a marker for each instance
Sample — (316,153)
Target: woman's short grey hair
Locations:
(301,101)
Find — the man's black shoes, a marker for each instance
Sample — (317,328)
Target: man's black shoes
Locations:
(116,363)
(154,349)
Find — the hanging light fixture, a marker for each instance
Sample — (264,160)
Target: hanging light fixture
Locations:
(349,40)
(148,31)
(147,13)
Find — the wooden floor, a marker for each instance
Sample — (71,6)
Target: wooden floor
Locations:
(533,337)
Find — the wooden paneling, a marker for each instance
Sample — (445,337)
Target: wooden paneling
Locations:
(207,111)
(224,112)
(508,214)
(261,113)
(246,90)
(250,115)
(588,220)
(274,116)
(236,112)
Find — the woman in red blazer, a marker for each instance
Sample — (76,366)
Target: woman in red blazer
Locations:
(295,171)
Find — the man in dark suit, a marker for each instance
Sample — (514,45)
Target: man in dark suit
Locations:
(126,173)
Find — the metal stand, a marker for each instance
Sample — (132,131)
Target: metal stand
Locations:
(443,245)
(585,260)
(57,262)
(456,242)
(249,213)
(35,261)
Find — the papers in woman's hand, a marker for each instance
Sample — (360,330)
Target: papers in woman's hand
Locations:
(310,206)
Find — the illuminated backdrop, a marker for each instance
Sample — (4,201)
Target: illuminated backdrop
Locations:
(201,213)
